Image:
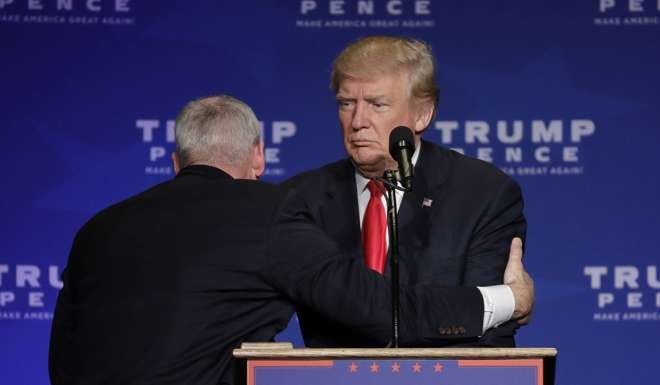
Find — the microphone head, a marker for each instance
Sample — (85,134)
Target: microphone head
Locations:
(399,135)
(402,147)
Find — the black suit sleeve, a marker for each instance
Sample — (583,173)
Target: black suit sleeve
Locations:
(489,251)
(61,332)
(308,267)
(491,240)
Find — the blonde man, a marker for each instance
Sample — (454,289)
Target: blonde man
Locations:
(457,223)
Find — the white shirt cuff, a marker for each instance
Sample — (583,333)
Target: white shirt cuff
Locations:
(499,304)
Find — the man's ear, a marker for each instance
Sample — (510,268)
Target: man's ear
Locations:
(176,163)
(423,116)
(258,161)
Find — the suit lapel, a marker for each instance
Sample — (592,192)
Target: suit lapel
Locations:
(340,215)
(417,205)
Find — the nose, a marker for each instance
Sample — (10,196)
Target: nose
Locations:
(359,119)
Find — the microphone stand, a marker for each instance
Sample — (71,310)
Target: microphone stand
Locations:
(390,182)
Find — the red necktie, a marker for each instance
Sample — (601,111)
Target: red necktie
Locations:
(374,226)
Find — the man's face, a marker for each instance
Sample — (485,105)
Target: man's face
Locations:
(369,109)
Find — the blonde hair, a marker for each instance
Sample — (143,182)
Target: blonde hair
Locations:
(380,55)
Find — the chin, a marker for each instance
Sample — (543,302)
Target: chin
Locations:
(367,159)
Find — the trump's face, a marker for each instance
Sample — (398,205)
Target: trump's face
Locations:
(369,109)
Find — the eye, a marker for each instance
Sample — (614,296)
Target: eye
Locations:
(379,106)
(345,104)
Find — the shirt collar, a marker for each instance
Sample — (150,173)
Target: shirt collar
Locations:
(361,181)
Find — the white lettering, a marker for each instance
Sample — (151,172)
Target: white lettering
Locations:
(93,5)
(513,154)
(35,299)
(122,6)
(635,5)
(170,135)
(65,4)
(606,4)
(651,277)
(605,299)
(27,274)
(446,128)
(283,129)
(595,272)
(6,297)
(4,3)
(365,7)
(272,155)
(337,7)
(504,137)
(476,130)
(542,133)
(394,7)
(3,269)
(626,275)
(147,126)
(156,152)
(485,153)
(634,299)
(570,154)
(422,7)
(54,277)
(35,4)
(306,6)
(580,128)
(542,154)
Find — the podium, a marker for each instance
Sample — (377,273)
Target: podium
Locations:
(280,363)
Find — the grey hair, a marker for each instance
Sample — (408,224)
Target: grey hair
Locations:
(216,129)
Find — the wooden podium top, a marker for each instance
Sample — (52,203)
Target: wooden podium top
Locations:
(286,350)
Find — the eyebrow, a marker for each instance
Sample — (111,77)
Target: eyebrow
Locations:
(368,98)
(377,98)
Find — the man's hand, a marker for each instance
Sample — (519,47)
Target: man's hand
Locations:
(520,282)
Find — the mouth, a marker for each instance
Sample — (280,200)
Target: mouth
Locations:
(361,142)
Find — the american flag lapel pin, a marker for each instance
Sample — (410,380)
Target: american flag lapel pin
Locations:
(427,202)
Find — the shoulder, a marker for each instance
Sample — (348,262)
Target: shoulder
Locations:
(324,174)
(118,209)
(463,170)
(314,184)
(183,196)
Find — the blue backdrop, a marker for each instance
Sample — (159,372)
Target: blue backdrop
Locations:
(563,95)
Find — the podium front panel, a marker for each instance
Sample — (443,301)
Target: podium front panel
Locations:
(394,371)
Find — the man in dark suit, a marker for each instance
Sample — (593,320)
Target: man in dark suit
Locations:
(456,224)
(161,287)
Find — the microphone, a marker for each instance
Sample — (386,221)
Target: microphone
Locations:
(402,147)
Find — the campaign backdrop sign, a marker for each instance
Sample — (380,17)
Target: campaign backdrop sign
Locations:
(562,95)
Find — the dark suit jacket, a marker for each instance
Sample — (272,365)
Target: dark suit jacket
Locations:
(460,237)
(161,287)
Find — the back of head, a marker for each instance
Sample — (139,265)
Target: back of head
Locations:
(216,130)
(374,56)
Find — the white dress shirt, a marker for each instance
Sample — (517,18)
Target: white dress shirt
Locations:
(499,302)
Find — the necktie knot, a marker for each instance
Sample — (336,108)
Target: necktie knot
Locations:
(374,188)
